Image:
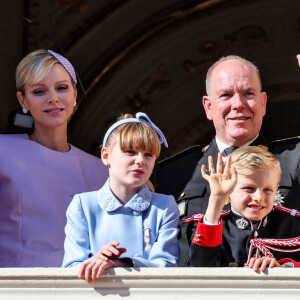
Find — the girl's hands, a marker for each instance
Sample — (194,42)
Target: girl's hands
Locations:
(260,264)
(92,269)
(298,58)
(110,251)
(106,258)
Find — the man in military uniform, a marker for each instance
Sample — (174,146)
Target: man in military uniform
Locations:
(236,105)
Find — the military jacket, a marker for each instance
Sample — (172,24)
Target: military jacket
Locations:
(228,243)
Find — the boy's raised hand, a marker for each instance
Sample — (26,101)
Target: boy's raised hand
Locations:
(221,183)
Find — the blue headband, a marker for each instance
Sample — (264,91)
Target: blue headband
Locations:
(139,118)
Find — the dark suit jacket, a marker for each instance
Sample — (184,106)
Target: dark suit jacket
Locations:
(181,177)
(288,153)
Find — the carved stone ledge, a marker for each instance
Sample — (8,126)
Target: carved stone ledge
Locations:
(148,283)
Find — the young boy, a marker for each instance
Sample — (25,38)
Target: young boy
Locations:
(249,180)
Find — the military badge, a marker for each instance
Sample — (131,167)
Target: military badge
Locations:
(241,223)
(265,221)
(147,238)
(182,208)
(278,199)
(227,201)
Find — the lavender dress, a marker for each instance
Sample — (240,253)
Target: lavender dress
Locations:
(36,186)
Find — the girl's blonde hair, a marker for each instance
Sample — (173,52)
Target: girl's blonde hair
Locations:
(248,160)
(135,135)
(33,68)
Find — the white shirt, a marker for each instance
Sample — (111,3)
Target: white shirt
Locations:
(222,146)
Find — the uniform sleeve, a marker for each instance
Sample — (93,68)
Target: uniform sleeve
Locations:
(77,245)
(206,246)
(295,264)
(165,250)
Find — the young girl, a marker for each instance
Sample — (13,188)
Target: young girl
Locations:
(124,212)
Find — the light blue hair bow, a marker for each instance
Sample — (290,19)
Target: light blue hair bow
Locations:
(139,118)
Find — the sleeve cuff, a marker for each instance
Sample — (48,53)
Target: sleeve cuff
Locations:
(127,260)
(209,223)
(288,262)
(208,235)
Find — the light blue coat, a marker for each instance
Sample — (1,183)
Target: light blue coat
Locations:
(96,218)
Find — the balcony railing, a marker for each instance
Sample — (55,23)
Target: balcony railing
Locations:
(151,283)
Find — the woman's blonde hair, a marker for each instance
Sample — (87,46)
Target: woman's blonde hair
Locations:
(33,68)
(135,135)
(248,160)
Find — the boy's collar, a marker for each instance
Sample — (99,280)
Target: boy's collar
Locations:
(243,223)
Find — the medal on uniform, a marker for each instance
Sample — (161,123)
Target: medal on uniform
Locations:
(278,198)
(241,223)
(265,221)
(147,238)
(182,208)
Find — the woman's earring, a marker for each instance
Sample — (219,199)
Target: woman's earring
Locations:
(25,111)
(75,103)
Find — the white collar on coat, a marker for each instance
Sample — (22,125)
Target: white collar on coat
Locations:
(139,202)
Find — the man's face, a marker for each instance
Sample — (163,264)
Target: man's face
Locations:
(236,104)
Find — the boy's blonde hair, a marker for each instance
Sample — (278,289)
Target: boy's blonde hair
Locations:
(248,160)
(135,135)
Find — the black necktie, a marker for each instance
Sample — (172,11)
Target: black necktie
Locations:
(228,151)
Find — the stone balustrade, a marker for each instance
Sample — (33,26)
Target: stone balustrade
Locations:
(151,283)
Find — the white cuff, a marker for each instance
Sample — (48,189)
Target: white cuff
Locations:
(209,223)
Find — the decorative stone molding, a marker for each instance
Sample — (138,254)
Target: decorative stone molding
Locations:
(169,283)
(153,56)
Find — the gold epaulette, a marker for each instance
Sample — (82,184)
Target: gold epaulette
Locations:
(287,140)
(205,148)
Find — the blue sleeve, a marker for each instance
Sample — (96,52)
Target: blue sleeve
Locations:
(77,245)
(165,250)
